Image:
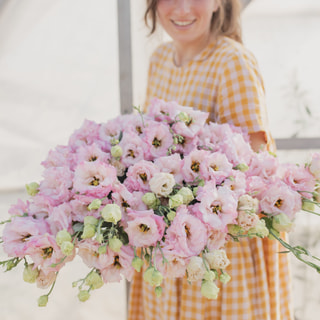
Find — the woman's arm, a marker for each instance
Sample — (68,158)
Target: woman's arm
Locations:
(258,141)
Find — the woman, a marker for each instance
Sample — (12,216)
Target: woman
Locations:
(207,67)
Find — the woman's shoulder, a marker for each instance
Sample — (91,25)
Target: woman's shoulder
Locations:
(162,51)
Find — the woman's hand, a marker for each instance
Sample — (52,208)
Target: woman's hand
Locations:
(258,141)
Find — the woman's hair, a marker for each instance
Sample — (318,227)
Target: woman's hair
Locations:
(224,22)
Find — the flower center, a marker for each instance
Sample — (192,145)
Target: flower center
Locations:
(143,177)
(156,143)
(25,238)
(131,153)
(216,208)
(279,203)
(93,158)
(144,228)
(214,167)
(195,166)
(47,252)
(138,129)
(95,181)
(187,231)
(116,262)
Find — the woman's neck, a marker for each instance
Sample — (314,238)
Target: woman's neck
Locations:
(185,52)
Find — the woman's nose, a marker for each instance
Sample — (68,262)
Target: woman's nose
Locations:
(183,6)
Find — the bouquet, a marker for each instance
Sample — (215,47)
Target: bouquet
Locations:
(159,193)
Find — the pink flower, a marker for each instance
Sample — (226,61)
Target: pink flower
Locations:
(171,164)
(57,184)
(132,147)
(120,265)
(216,239)
(187,235)
(94,178)
(158,139)
(255,186)
(217,207)
(19,209)
(215,166)
(298,178)
(40,207)
(139,175)
(60,157)
(236,182)
(91,153)
(314,165)
(161,110)
(61,218)
(144,228)
(280,198)
(191,165)
(263,164)
(17,234)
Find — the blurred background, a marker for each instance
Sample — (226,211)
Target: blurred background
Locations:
(59,65)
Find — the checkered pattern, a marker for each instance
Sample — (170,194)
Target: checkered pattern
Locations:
(223,80)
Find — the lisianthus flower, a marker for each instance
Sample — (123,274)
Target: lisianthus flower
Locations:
(158,139)
(187,235)
(57,184)
(94,178)
(215,166)
(218,206)
(45,280)
(171,164)
(139,175)
(263,164)
(120,265)
(279,198)
(86,135)
(236,182)
(298,178)
(191,165)
(18,232)
(132,147)
(247,220)
(162,184)
(19,209)
(161,110)
(61,156)
(195,269)
(60,218)
(144,228)
(216,239)
(91,153)
(255,186)
(314,165)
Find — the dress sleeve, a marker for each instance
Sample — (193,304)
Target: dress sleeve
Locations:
(241,97)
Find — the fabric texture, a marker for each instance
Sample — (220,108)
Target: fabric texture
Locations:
(223,80)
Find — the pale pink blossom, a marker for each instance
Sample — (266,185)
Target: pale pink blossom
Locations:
(171,164)
(61,156)
(40,207)
(236,182)
(94,178)
(45,280)
(91,153)
(216,239)
(314,166)
(144,228)
(161,110)
(263,164)
(255,186)
(61,218)
(139,175)
(191,165)
(280,198)
(19,209)
(187,235)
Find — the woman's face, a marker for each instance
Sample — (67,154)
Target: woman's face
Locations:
(186,21)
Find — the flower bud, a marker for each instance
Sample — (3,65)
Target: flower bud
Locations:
(195,269)
(186,194)
(63,236)
(115,244)
(235,229)
(184,117)
(94,280)
(137,263)
(307,205)
(67,248)
(99,237)
(83,295)
(242,167)
(150,199)
(282,222)
(259,230)
(90,220)
(217,259)
(30,274)
(102,249)
(95,204)
(111,213)
(158,291)
(224,278)
(89,231)
(209,289)
(171,215)
(32,188)
(42,301)
(116,151)
(153,277)
(209,275)
(175,200)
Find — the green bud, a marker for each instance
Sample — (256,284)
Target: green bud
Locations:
(259,230)
(30,274)
(32,188)
(209,289)
(94,280)
(95,204)
(116,151)
(74,284)
(102,249)
(99,238)
(83,295)
(90,220)
(201,183)
(175,140)
(186,194)
(158,291)
(150,199)
(234,229)
(194,191)
(63,236)
(175,200)
(89,231)
(171,215)
(184,117)
(307,205)
(242,167)
(115,244)
(224,278)
(153,277)
(209,275)
(43,300)
(137,263)
(111,213)
(67,248)
(282,222)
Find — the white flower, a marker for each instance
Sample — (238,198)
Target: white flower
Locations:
(247,203)
(196,269)
(247,220)
(162,184)
(217,259)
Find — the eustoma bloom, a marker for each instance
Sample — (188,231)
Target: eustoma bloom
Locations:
(159,193)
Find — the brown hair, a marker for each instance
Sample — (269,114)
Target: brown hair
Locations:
(224,22)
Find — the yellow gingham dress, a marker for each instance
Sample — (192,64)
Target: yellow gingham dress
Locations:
(224,80)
